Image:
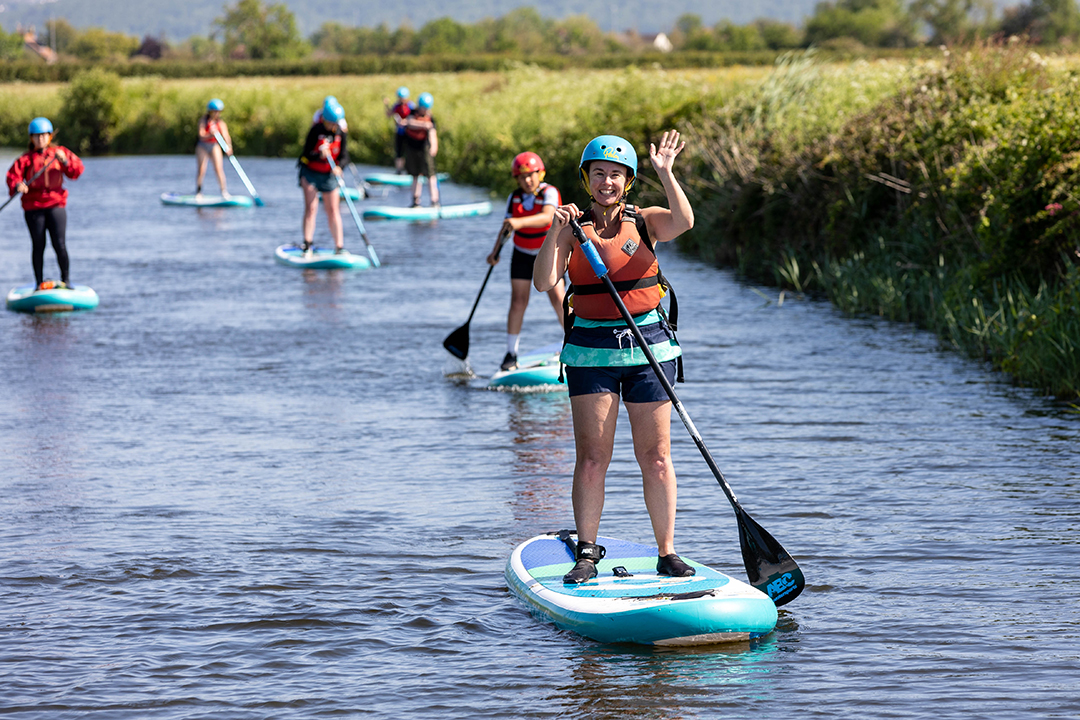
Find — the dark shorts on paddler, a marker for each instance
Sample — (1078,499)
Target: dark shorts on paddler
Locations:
(418,161)
(607,358)
(323,182)
(635,383)
(521,265)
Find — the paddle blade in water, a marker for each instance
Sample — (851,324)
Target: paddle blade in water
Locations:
(259,201)
(457,342)
(769,567)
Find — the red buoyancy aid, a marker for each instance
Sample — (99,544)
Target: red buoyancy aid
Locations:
(631,265)
(532,238)
(319,163)
(402,109)
(419,130)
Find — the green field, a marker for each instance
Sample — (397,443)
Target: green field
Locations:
(935,191)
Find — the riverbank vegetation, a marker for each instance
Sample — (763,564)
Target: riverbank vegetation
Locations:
(938,192)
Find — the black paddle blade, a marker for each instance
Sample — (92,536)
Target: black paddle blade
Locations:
(768,565)
(457,342)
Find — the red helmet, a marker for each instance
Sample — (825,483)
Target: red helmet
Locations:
(527,162)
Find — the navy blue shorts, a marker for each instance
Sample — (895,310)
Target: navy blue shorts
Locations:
(521,265)
(323,182)
(635,383)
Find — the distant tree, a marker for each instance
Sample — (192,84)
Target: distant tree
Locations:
(778,35)
(877,23)
(97,44)
(520,31)
(336,39)
(59,35)
(444,36)
(11,45)
(576,35)
(90,110)
(738,38)
(1045,21)
(952,21)
(256,31)
(152,48)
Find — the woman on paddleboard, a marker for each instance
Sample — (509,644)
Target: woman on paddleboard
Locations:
(210,127)
(421,147)
(529,211)
(600,353)
(39,175)
(398,112)
(326,141)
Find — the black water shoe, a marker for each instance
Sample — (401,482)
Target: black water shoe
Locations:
(674,566)
(509,362)
(588,554)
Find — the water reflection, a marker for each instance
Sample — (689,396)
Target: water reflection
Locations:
(542,443)
(631,681)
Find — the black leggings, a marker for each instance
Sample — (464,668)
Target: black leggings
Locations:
(54,220)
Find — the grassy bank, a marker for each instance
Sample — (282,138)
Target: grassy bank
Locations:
(928,191)
(950,202)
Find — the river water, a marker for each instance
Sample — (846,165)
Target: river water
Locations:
(240,490)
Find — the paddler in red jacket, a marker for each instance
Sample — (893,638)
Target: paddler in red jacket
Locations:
(39,175)
(208,147)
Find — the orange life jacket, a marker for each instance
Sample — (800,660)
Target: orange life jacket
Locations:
(529,238)
(631,266)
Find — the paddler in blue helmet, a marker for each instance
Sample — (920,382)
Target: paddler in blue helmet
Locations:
(39,175)
(602,362)
(208,148)
(398,112)
(325,140)
(421,147)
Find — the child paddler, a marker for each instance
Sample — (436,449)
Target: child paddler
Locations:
(600,352)
(398,112)
(421,147)
(208,148)
(529,211)
(39,175)
(326,139)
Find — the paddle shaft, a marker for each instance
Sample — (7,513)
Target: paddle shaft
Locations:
(352,209)
(30,182)
(502,241)
(601,271)
(239,170)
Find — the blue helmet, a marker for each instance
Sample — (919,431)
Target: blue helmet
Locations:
(425,100)
(332,110)
(402,92)
(611,148)
(215,104)
(40,125)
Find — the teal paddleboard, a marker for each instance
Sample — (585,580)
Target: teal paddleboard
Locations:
(390,212)
(537,370)
(320,258)
(351,193)
(396,179)
(628,601)
(27,298)
(206,200)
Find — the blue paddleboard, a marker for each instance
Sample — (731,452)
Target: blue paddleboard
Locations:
(320,258)
(537,370)
(635,604)
(397,180)
(27,298)
(206,200)
(391,212)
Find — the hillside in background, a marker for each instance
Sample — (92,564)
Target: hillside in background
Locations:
(180,20)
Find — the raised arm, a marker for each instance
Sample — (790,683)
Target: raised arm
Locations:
(668,223)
